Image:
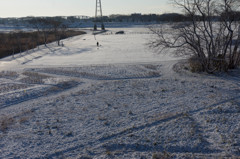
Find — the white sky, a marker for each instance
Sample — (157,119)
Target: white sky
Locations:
(21,8)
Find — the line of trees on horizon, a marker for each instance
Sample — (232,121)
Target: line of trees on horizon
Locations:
(136,17)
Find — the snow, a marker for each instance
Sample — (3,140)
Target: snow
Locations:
(82,50)
(12,28)
(121,100)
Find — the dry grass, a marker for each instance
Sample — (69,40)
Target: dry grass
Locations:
(24,119)
(8,74)
(34,78)
(151,67)
(6,122)
(22,41)
(153,74)
(195,64)
(11,87)
(162,155)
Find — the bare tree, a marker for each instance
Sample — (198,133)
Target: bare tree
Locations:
(18,35)
(47,25)
(58,28)
(212,33)
(36,25)
(56,25)
(12,42)
(41,25)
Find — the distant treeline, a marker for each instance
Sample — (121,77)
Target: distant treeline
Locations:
(146,18)
(17,42)
(76,21)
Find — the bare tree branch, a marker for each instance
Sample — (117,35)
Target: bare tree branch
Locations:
(209,34)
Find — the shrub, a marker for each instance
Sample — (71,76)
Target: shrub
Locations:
(5,123)
(220,63)
(162,155)
(195,64)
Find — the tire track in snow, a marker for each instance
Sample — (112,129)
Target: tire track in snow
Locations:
(17,97)
(142,127)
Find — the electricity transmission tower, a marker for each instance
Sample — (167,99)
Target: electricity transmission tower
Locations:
(98,15)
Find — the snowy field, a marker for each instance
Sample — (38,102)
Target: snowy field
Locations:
(119,100)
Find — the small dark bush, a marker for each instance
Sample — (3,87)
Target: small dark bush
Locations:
(195,64)
(5,123)
(220,63)
(162,155)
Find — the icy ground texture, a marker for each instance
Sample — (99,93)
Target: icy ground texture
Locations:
(98,112)
(118,101)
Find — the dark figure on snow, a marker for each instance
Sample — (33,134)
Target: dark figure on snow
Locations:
(97,44)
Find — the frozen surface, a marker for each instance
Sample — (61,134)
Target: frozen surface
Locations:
(120,100)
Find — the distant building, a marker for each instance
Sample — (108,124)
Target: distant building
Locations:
(136,14)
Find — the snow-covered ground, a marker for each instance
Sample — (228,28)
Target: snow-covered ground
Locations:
(11,28)
(121,100)
(82,50)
